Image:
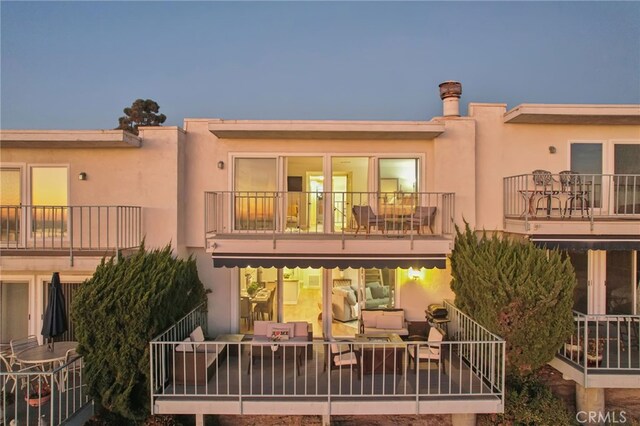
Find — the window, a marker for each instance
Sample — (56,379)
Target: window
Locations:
(10,200)
(626,186)
(49,198)
(255,183)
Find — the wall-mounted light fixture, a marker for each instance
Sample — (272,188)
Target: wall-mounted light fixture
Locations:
(82,176)
(221,164)
(413,274)
(552,149)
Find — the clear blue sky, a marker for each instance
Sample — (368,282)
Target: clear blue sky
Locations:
(78,64)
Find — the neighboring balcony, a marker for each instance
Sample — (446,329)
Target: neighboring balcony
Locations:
(572,204)
(235,375)
(603,351)
(69,230)
(335,223)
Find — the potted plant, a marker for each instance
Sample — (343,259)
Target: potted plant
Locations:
(253,288)
(38,393)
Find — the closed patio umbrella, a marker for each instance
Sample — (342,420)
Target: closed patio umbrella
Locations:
(55,317)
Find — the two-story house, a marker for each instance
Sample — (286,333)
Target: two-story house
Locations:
(330,220)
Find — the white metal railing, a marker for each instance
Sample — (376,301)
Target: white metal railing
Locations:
(160,354)
(48,397)
(485,358)
(402,214)
(604,343)
(575,196)
(72,228)
(304,370)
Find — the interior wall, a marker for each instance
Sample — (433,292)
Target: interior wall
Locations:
(433,286)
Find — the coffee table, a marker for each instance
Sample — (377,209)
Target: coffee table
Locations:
(384,353)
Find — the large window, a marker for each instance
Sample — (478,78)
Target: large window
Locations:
(49,197)
(586,159)
(620,282)
(14,310)
(255,183)
(10,200)
(626,187)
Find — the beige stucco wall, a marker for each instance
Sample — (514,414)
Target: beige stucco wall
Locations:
(504,150)
(432,286)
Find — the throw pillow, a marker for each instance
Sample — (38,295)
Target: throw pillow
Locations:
(389,322)
(197,335)
(368,293)
(280,333)
(377,292)
(185,347)
(373,284)
(351,298)
(385,291)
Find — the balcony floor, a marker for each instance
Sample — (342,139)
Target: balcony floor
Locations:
(275,379)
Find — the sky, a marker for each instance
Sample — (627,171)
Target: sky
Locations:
(76,65)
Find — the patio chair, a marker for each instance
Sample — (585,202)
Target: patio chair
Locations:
(365,217)
(430,352)
(19,345)
(543,187)
(341,356)
(572,187)
(72,371)
(7,367)
(421,217)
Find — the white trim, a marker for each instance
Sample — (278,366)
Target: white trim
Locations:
(31,308)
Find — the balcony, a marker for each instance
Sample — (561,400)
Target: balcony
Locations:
(330,223)
(69,230)
(49,396)
(244,380)
(572,204)
(603,351)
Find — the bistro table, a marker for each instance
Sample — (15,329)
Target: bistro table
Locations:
(42,355)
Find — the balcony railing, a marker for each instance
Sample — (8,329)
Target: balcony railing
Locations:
(576,197)
(47,397)
(395,213)
(604,344)
(471,366)
(70,228)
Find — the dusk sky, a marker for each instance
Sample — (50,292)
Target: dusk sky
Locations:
(76,65)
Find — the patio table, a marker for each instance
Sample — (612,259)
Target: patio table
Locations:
(42,355)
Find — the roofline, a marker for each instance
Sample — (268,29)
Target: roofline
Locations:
(69,139)
(620,114)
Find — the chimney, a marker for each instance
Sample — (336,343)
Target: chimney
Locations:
(450,92)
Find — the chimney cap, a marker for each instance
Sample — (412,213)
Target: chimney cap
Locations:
(450,89)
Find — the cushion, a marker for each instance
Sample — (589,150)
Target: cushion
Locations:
(351,298)
(373,284)
(260,327)
(185,347)
(286,331)
(369,318)
(385,291)
(354,288)
(377,292)
(389,322)
(300,328)
(399,313)
(197,335)
(368,294)
(435,335)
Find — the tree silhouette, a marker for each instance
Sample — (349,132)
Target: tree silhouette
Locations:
(143,112)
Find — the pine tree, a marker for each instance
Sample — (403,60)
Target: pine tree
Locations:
(143,112)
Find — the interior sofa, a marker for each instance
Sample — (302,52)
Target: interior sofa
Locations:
(383,321)
(376,295)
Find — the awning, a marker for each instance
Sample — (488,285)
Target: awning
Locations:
(588,242)
(329,261)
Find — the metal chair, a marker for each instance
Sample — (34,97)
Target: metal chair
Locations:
(543,187)
(19,345)
(73,363)
(6,366)
(365,217)
(572,186)
(341,356)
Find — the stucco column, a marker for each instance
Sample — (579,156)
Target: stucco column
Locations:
(589,401)
(466,419)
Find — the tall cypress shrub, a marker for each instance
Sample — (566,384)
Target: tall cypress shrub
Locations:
(518,291)
(118,311)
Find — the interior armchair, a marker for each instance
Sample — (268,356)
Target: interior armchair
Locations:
(365,217)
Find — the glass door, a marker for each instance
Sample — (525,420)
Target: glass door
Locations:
(580,262)
(626,183)
(14,310)
(302,297)
(254,200)
(587,159)
(621,282)
(10,211)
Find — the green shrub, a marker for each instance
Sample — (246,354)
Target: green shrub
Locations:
(118,311)
(517,291)
(529,402)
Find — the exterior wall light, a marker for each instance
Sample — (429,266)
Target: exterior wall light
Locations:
(221,164)
(82,176)
(552,149)
(413,274)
